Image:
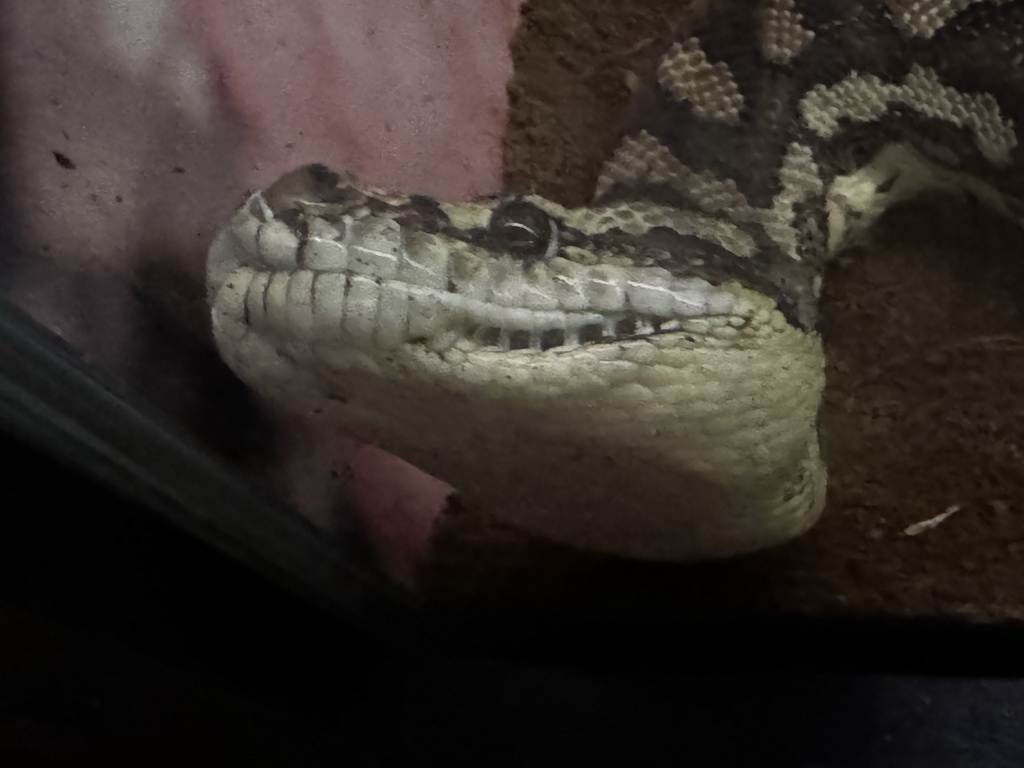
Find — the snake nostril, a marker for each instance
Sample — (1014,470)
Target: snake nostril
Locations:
(295,220)
(259,209)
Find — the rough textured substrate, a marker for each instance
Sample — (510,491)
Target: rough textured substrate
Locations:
(924,410)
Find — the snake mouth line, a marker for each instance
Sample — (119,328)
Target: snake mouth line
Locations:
(366,279)
(325,306)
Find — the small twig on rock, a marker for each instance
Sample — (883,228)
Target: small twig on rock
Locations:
(931,522)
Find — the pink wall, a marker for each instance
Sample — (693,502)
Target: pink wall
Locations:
(135,127)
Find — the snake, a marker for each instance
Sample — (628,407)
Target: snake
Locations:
(641,376)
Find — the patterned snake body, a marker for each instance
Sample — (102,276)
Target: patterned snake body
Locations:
(641,375)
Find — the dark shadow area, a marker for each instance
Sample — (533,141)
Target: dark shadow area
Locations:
(518,716)
(127,642)
(124,639)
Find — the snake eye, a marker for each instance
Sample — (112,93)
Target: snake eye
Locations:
(524,230)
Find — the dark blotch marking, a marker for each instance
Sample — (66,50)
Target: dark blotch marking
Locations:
(625,327)
(553,337)
(591,333)
(886,185)
(490,337)
(64,161)
(519,340)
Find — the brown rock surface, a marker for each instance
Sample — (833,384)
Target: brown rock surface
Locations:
(923,413)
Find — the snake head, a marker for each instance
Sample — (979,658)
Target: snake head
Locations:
(512,273)
(579,371)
